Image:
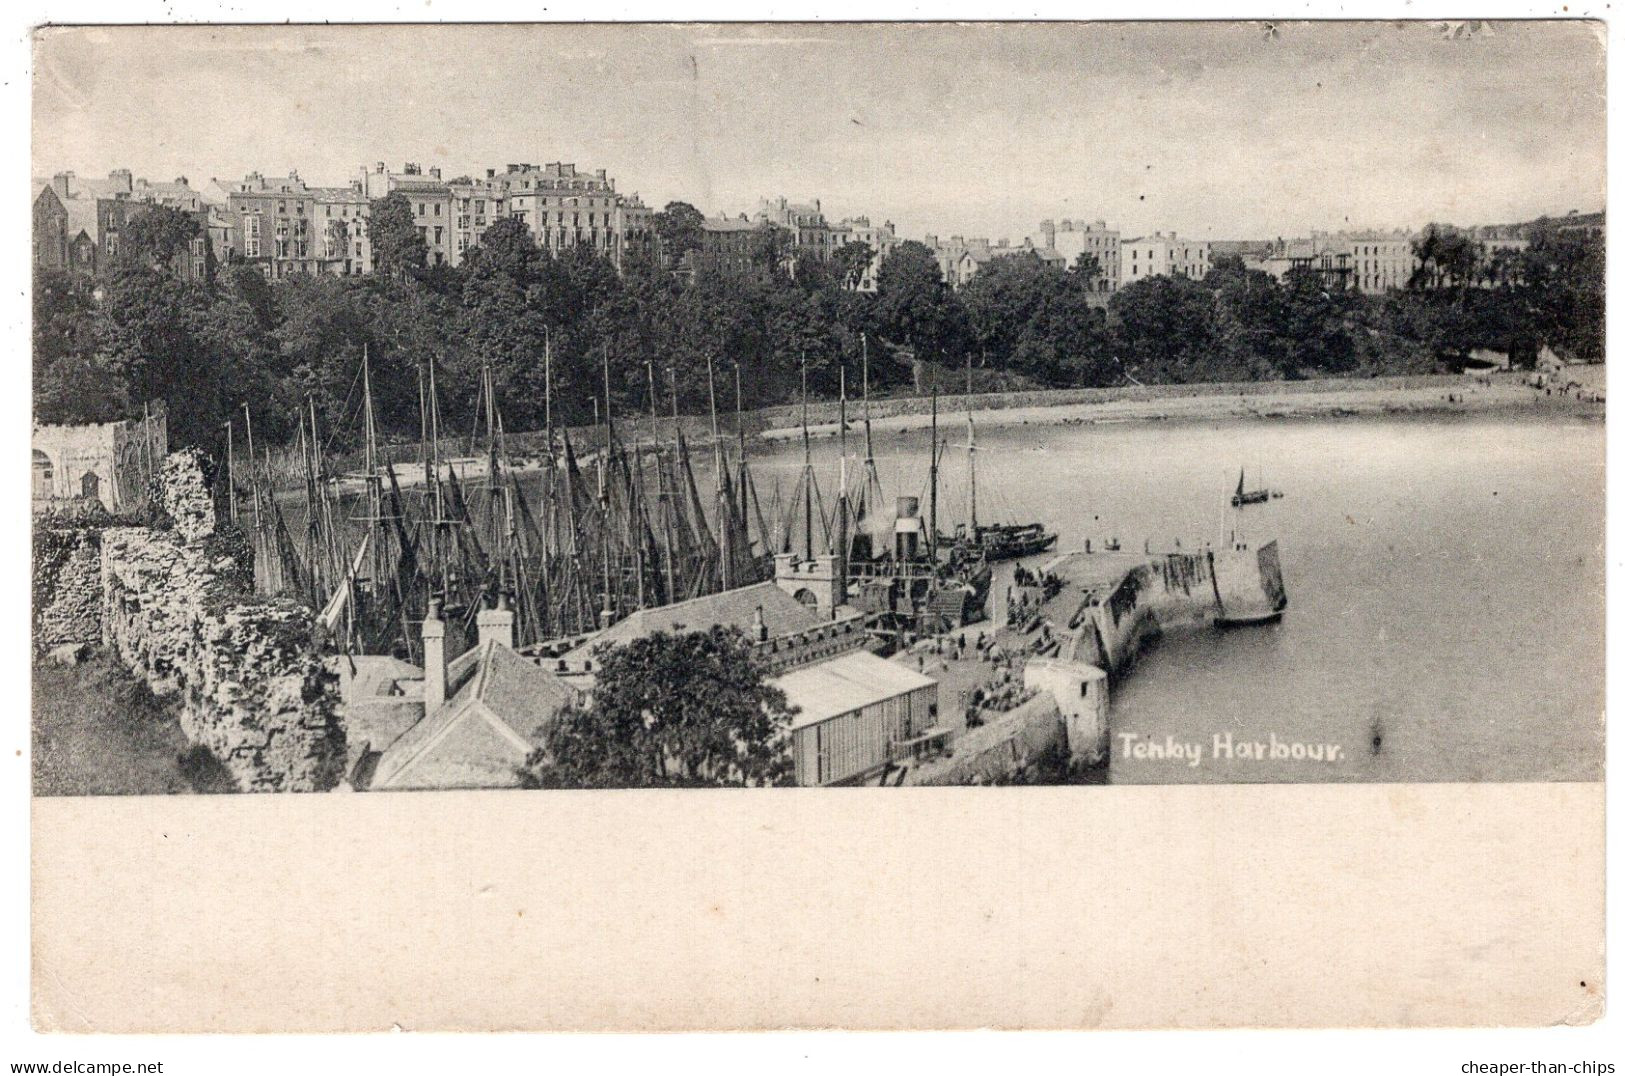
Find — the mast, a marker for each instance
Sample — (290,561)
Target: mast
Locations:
(333,558)
(374,485)
(547,383)
(253,480)
(806,459)
(868,434)
(606,612)
(313,563)
(840,504)
(970,449)
(549,504)
(231,472)
(668,493)
(610,603)
(146,443)
(663,504)
(501,529)
(739,428)
(724,524)
(440,522)
(933,502)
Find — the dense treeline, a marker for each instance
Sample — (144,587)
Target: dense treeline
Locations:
(103,347)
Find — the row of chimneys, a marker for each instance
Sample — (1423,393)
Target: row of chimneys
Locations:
(495,624)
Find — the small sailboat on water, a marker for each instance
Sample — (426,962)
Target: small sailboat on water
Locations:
(1245,496)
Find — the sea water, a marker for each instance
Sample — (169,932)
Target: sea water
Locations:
(1444,572)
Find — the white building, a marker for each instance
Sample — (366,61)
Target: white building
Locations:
(1070,239)
(882,239)
(1164,255)
(108,462)
(857,714)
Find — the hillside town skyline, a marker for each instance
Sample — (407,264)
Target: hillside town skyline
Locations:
(287,226)
(630,185)
(1328,127)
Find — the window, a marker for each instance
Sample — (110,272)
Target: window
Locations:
(44,475)
(420,208)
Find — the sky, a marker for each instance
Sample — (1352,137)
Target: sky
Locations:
(1213,130)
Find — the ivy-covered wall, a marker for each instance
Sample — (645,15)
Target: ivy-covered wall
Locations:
(67,587)
(174,602)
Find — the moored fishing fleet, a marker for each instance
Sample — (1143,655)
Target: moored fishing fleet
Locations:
(577,536)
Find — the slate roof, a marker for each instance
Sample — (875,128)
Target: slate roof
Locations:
(516,696)
(82,218)
(782,614)
(728,224)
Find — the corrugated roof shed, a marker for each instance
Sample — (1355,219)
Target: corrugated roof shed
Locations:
(845,684)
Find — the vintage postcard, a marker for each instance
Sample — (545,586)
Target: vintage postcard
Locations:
(564,442)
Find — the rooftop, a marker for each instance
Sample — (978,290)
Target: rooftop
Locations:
(737,608)
(844,684)
(516,696)
(728,224)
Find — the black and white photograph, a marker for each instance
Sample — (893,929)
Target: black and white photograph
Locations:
(1049,409)
(764,447)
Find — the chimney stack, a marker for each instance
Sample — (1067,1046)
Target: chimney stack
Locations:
(496,624)
(434,658)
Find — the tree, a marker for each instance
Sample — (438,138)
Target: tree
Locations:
(689,709)
(850,261)
(155,236)
(398,248)
(506,247)
(915,307)
(1166,329)
(149,333)
(770,250)
(1444,257)
(680,228)
(1087,269)
(1036,320)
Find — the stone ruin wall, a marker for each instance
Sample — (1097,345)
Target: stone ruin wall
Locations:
(67,588)
(1000,749)
(175,605)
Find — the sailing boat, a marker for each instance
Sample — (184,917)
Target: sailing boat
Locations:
(995,541)
(1244,496)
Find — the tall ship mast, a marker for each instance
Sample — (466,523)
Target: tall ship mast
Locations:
(1000,540)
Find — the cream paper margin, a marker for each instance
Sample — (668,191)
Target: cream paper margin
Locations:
(1139,907)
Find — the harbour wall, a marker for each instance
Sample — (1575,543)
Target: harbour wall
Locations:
(1066,716)
(173,602)
(1173,590)
(1001,749)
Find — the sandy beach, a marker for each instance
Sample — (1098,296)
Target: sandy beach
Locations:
(1503,392)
